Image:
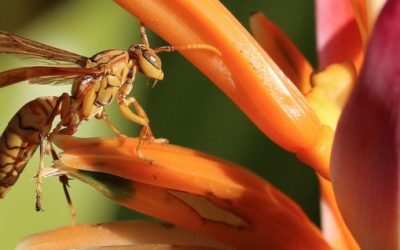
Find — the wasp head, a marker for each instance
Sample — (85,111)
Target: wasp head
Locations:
(148,61)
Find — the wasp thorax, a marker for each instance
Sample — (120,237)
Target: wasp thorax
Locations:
(148,61)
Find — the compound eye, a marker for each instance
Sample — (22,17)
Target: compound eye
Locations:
(150,64)
(152,58)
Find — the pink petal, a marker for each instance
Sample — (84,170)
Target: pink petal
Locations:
(338,36)
(365,158)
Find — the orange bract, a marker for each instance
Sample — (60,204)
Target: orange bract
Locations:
(283,51)
(191,189)
(126,235)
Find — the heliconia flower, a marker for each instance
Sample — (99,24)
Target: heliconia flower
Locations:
(365,158)
(295,105)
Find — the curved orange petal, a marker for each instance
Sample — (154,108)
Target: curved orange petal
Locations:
(127,235)
(282,50)
(244,71)
(188,188)
(318,156)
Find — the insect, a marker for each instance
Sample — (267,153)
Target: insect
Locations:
(100,79)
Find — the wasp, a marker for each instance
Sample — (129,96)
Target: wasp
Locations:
(96,82)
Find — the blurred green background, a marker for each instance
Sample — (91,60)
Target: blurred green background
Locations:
(186,107)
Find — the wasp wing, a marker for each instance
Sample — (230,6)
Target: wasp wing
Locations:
(10,43)
(54,80)
(28,73)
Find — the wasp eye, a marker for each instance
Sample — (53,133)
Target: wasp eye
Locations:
(152,58)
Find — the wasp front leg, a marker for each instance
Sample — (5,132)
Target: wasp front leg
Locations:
(102,115)
(67,125)
(140,118)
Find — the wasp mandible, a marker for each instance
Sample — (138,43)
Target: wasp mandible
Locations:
(100,79)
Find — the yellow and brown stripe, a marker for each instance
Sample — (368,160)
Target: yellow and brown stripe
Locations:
(21,138)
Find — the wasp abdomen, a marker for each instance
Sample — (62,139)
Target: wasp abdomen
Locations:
(22,137)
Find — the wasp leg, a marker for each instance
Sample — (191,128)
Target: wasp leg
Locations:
(68,130)
(140,118)
(42,146)
(118,133)
(39,176)
(65,183)
(62,107)
(143,35)
(63,178)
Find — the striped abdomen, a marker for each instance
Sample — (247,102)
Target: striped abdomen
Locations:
(21,138)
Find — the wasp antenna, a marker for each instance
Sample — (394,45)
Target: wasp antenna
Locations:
(143,35)
(154,83)
(168,48)
(200,46)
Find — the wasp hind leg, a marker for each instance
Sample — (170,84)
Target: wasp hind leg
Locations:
(140,118)
(62,107)
(39,175)
(64,179)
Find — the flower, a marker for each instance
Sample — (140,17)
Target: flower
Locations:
(217,198)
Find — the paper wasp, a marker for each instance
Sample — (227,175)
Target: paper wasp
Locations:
(100,79)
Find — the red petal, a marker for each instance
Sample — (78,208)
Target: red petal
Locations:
(365,159)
